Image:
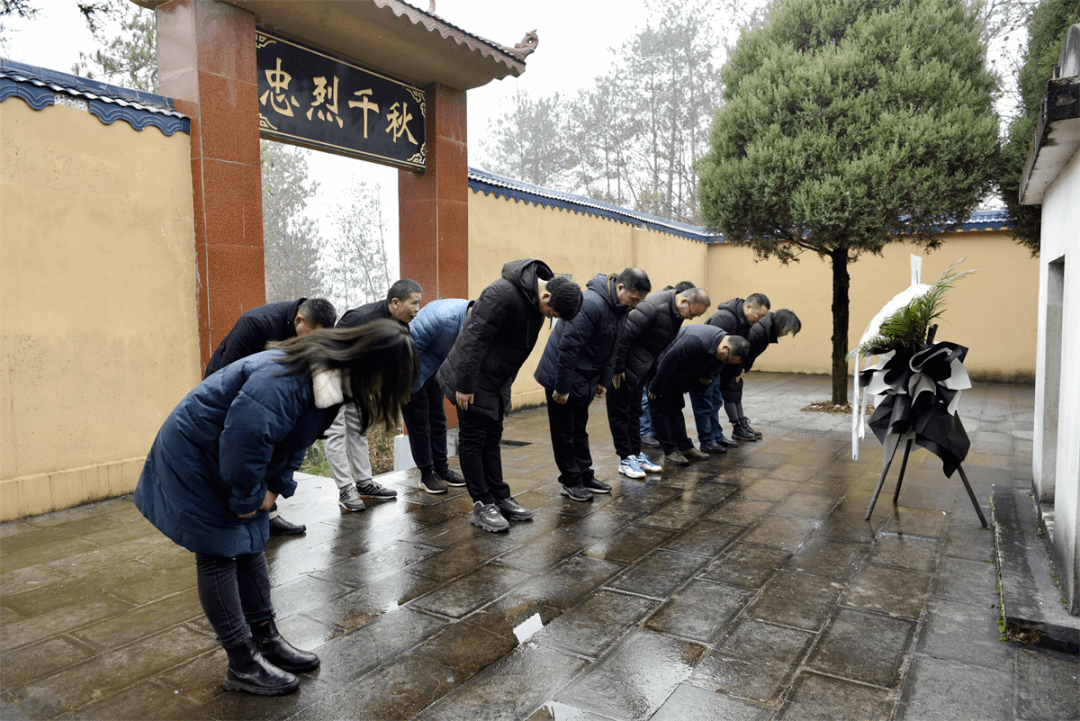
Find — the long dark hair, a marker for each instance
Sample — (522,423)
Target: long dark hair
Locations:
(379,356)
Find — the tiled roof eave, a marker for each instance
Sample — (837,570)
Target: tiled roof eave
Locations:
(452,32)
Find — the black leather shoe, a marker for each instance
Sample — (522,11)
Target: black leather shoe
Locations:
(512,510)
(650,442)
(576,493)
(713,448)
(249,671)
(727,442)
(280,527)
(694,454)
(280,652)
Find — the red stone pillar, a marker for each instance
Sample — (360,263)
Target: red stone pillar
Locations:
(433,206)
(206,63)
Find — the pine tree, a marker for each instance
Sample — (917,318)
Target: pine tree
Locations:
(847,124)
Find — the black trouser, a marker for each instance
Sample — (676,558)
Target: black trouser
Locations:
(480,457)
(234,593)
(668,421)
(425,418)
(624,418)
(570,438)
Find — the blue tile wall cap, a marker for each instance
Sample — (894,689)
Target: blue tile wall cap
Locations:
(499,185)
(38,86)
(490,183)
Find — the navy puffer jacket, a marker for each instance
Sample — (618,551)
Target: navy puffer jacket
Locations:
(239,433)
(497,338)
(648,330)
(579,354)
(688,361)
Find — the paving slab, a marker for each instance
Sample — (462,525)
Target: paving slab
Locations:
(748,586)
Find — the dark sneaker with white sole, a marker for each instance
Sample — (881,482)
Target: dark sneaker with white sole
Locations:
(512,510)
(452,478)
(596,486)
(371,489)
(431,483)
(576,493)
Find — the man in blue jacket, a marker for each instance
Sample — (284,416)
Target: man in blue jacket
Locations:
(434,330)
(693,360)
(477,375)
(577,365)
(256,328)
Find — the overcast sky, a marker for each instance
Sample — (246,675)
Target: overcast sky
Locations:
(575,41)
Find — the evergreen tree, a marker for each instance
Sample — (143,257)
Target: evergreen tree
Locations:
(1046,36)
(848,123)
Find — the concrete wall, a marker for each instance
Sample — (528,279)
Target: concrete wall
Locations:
(1056,441)
(97,287)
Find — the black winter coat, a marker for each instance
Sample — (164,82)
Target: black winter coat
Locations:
(253,330)
(498,336)
(688,361)
(579,354)
(365,314)
(730,317)
(648,330)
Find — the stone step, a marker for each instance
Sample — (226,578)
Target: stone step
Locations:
(1031,600)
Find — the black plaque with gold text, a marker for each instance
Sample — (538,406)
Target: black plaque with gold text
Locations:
(316,100)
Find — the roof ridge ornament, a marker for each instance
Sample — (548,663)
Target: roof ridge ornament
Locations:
(525,48)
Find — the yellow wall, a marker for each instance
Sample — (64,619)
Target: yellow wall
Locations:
(992,312)
(97,302)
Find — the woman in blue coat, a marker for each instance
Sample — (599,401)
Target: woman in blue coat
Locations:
(231,447)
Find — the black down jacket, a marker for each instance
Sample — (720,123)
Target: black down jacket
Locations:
(498,336)
(648,330)
(365,314)
(579,354)
(253,330)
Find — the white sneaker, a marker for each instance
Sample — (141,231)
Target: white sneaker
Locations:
(648,466)
(629,467)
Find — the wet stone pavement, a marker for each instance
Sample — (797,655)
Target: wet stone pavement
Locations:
(748,586)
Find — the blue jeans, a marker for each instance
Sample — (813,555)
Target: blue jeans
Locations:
(646,417)
(707,404)
(235,594)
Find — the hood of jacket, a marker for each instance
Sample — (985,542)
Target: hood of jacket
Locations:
(524,274)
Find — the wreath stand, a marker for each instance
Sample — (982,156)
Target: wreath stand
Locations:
(921,388)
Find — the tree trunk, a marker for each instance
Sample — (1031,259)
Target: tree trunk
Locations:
(840,310)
